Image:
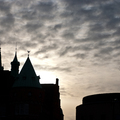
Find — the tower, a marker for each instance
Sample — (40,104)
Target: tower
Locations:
(15,66)
(26,95)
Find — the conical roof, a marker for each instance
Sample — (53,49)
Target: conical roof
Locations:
(15,60)
(27,76)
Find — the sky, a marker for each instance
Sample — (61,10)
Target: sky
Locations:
(77,41)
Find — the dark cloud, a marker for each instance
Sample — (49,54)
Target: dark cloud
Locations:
(45,22)
(47,48)
(106,50)
(7,22)
(75,49)
(65,50)
(7,19)
(57,26)
(42,11)
(54,68)
(58,29)
(33,27)
(101,14)
(45,7)
(68,36)
(29,15)
(5,7)
(80,55)
(64,92)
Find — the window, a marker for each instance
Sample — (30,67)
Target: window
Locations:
(22,109)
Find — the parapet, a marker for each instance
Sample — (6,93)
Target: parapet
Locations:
(100,98)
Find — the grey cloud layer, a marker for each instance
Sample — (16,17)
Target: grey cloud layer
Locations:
(58,26)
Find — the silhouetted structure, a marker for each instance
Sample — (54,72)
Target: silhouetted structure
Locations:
(22,97)
(99,107)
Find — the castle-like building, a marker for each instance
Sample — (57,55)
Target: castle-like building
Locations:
(22,97)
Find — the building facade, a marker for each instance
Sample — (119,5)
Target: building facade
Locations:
(99,107)
(24,98)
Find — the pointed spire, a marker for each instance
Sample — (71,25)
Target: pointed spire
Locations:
(27,76)
(1,67)
(15,65)
(15,58)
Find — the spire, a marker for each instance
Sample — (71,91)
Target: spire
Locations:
(1,67)
(27,76)
(15,60)
(15,65)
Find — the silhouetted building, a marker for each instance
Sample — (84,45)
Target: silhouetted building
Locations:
(99,107)
(22,97)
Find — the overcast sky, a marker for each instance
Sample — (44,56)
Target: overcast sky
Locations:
(77,41)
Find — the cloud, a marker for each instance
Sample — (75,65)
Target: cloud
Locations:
(70,29)
(57,26)
(54,68)
(6,19)
(7,22)
(32,27)
(65,50)
(45,7)
(101,88)
(80,56)
(103,16)
(42,11)
(64,92)
(5,7)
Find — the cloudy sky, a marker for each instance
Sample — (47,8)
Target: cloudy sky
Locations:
(77,41)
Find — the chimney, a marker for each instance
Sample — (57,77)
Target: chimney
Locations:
(57,81)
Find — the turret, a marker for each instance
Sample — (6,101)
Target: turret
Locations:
(27,76)
(27,93)
(15,66)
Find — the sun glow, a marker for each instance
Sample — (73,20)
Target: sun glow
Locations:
(46,77)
